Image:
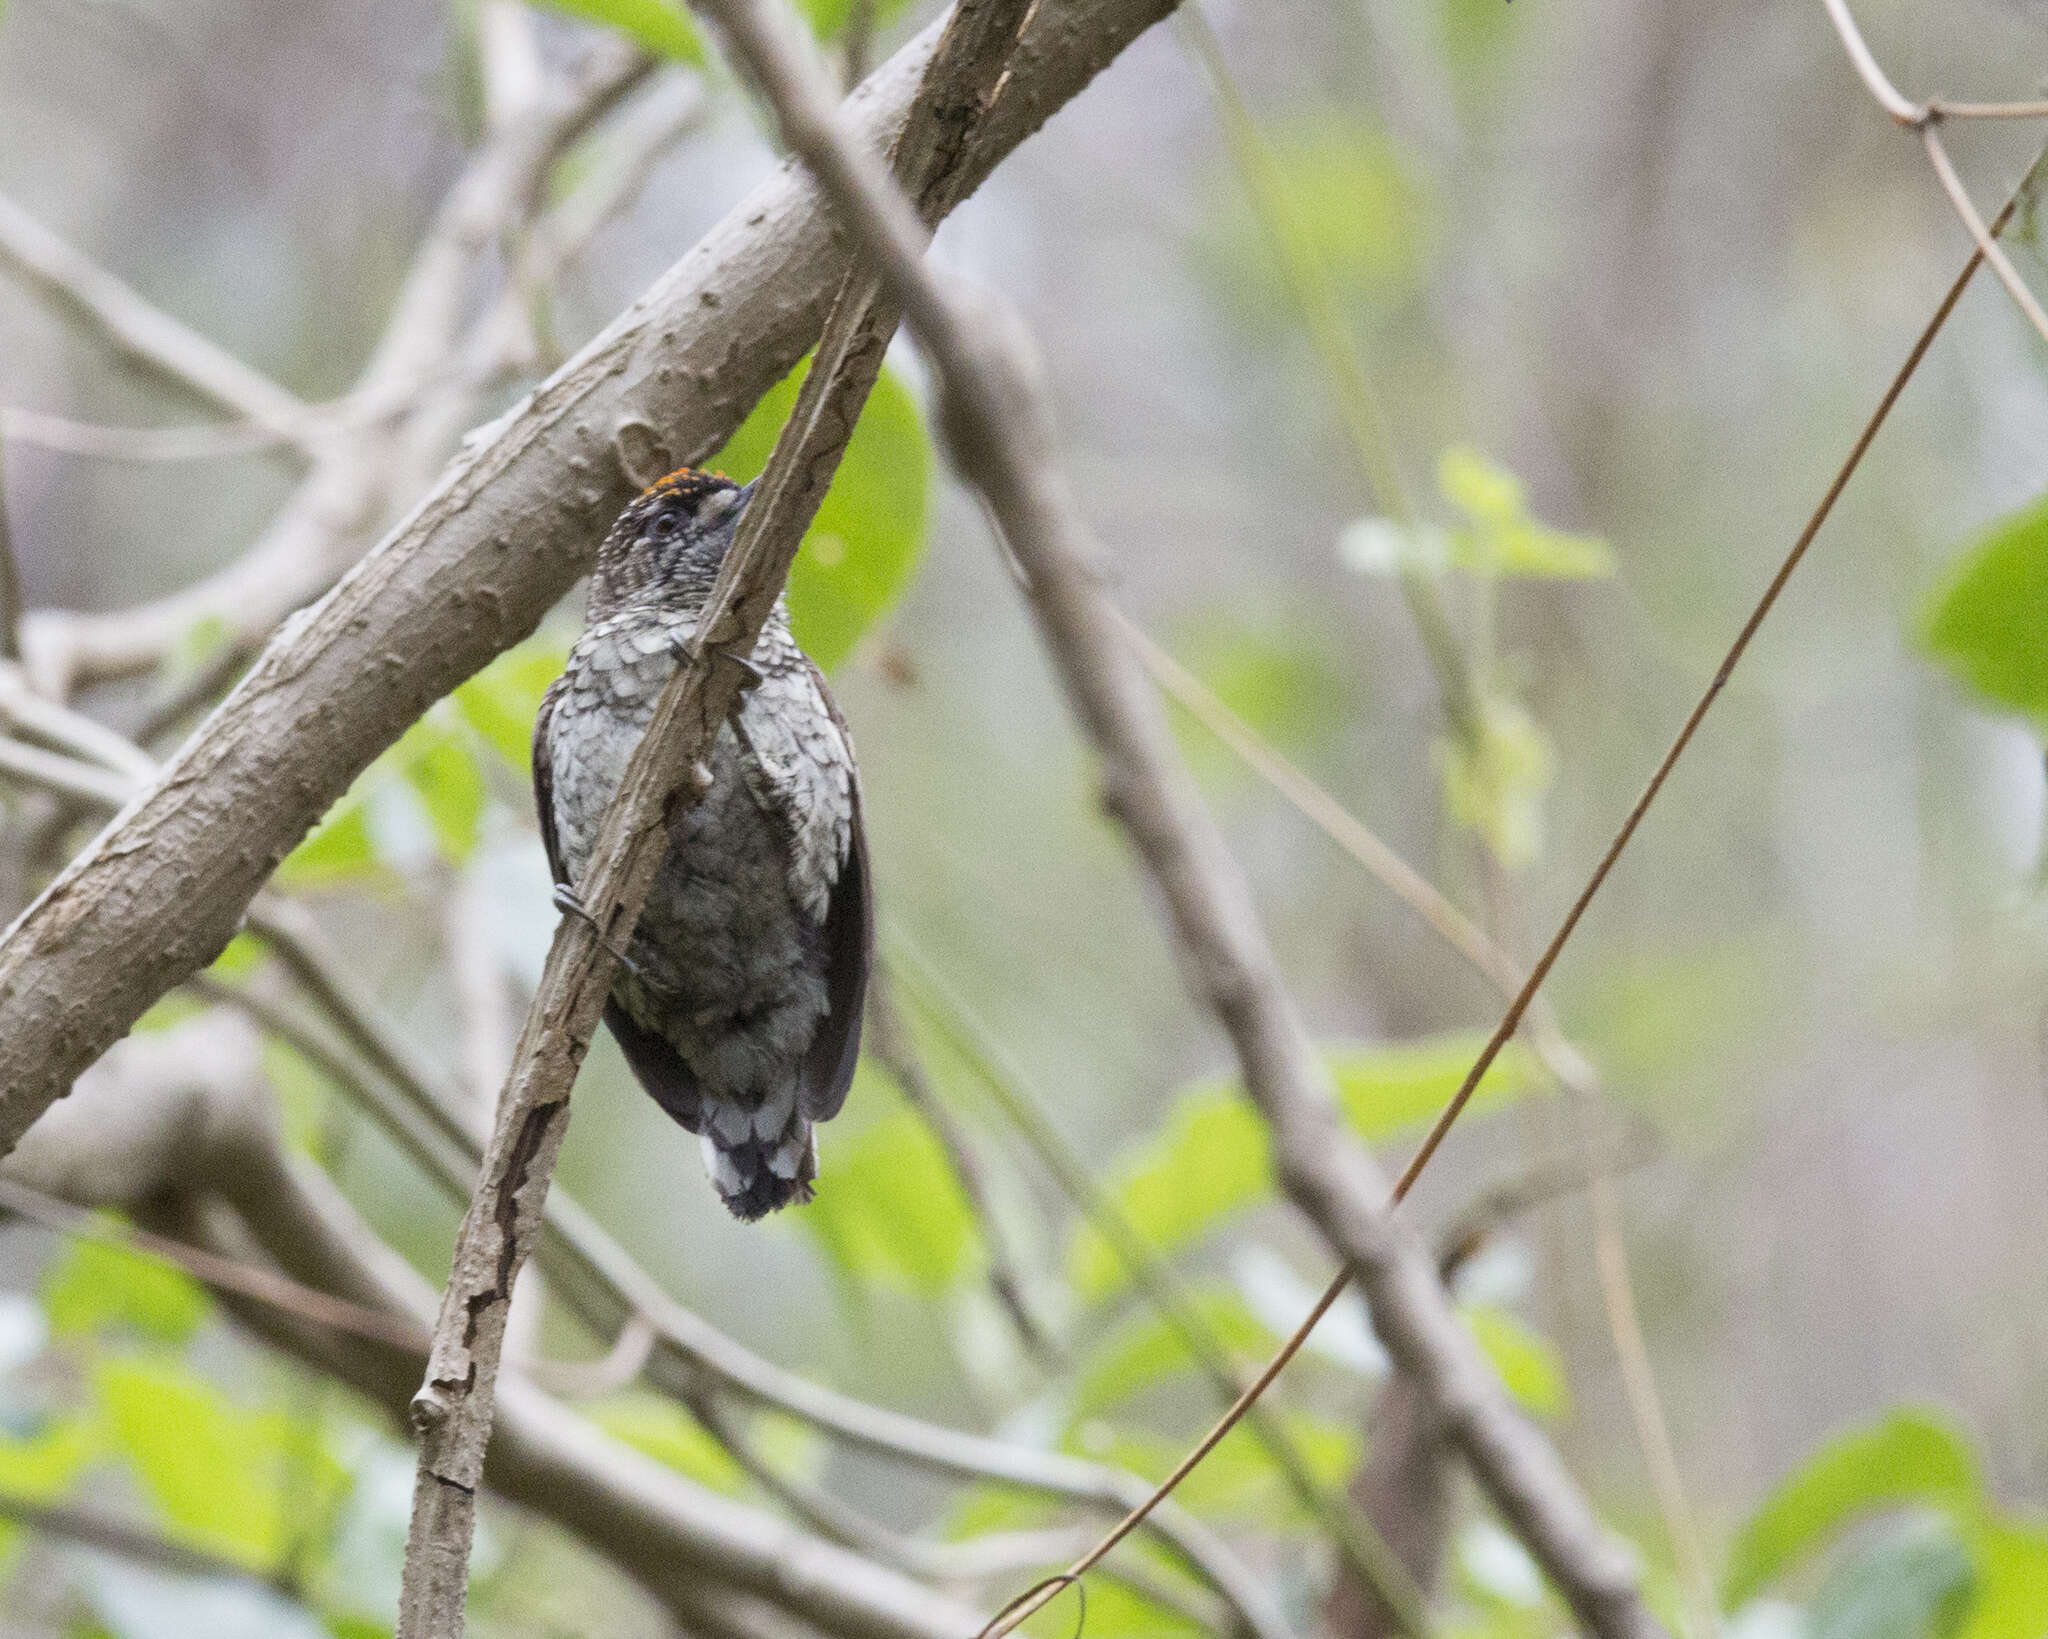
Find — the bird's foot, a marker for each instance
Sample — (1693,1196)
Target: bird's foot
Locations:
(684,648)
(569,905)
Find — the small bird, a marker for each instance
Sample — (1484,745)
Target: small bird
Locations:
(738,1001)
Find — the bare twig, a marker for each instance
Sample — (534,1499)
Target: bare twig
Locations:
(177,1130)
(1357,1541)
(1565,1065)
(67,776)
(1987,247)
(666,775)
(71,732)
(369,461)
(212,1270)
(992,416)
(893,1048)
(10,574)
(139,329)
(508,529)
(124,1541)
(1915,115)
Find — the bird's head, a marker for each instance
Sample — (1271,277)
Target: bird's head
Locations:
(667,545)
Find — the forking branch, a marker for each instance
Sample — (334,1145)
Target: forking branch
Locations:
(453,1409)
(993,420)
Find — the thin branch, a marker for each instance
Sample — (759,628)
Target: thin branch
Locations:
(663,780)
(67,776)
(71,732)
(1358,1543)
(994,422)
(508,529)
(139,329)
(1563,1062)
(124,1541)
(896,1052)
(10,573)
(1915,115)
(1987,247)
(211,1270)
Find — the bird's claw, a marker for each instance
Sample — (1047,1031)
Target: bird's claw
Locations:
(569,905)
(684,648)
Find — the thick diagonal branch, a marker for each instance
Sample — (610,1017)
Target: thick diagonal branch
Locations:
(179,1129)
(666,775)
(504,534)
(997,428)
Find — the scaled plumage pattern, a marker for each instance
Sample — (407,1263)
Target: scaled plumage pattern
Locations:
(740,1006)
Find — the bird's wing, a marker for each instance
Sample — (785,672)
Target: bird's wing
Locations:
(654,1062)
(803,778)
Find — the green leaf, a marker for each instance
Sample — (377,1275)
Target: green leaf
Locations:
(228,1480)
(1988,621)
(661,1429)
(168,1012)
(1501,537)
(41,1467)
(243,955)
(889,1208)
(1495,784)
(97,1286)
(338,850)
(1527,1361)
(1115,1610)
(2012,1581)
(864,545)
(1147,1350)
(503,699)
(663,28)
(441,769)
(1237,1479)
(1388,1088)
(1911,1456)
(1213,1158)
(1914,1582)
(828,17)
(427,785)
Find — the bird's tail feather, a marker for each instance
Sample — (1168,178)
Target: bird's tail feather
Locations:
(755,1176)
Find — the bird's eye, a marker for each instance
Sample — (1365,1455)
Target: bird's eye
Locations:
(665,524)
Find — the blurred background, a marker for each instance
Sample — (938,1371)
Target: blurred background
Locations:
(1552,319)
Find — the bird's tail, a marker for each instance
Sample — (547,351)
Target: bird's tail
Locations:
(756,1173)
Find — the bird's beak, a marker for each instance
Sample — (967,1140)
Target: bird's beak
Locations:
(746,494)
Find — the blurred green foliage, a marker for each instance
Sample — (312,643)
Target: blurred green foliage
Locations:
(1212,1158)
(1985,621)
(664,28)
(863,547)
(95,1286)
(1908,1537)
(894,1214)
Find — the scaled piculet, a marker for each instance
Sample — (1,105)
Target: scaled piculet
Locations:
(739,1007)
